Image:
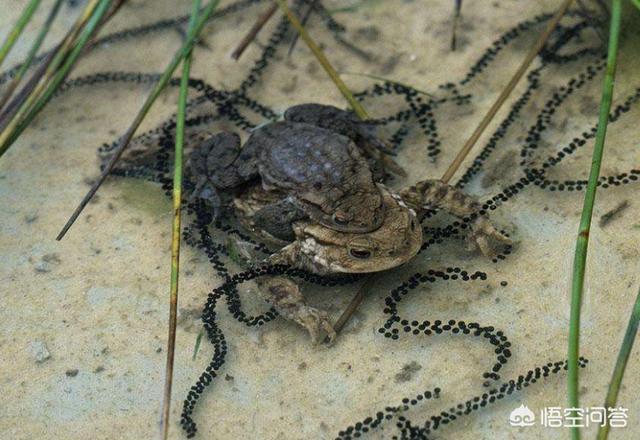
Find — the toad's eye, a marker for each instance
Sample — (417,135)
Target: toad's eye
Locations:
(340,220)
(361,254)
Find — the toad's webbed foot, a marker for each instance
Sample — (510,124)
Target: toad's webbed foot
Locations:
(213,166)
(287,299)
(240,251)
(429,194)
(276,219)
(347,124)
(483,233)
(208,193)
(215,159)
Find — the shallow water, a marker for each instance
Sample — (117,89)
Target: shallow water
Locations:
(97,301)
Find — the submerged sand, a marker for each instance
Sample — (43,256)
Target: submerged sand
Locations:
(84,320)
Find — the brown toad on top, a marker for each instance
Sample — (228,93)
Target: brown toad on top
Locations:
(324,251)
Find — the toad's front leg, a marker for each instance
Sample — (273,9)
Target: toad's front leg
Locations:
(428,194)
(283,294)
(214,165)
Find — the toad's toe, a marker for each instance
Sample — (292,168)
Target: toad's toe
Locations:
(315,321)
(484,234)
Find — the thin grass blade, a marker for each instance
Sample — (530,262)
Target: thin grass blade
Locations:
(196,347)
(484,123)
(305,18)
(13,36)
(60,75)
(30,109)
(51,62)
(582,242)
(454,26)
(253,32)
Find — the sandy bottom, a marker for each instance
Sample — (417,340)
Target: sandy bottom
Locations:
(84,320)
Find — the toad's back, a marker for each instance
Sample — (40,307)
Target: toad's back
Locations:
(324,171)
(304,156)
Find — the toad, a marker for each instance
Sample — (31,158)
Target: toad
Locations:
(312,186)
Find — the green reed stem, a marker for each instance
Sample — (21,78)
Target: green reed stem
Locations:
(44,30)
(13,36)
(175,235)
(621,364)
(579,262)
(157,89)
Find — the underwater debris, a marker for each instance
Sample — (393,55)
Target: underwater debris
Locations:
(407,372)
(613,214)
(71,372)
(39,351)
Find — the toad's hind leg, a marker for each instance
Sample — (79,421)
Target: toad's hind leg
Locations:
(436,194)
(152,153)
(285,296)
(346,123)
